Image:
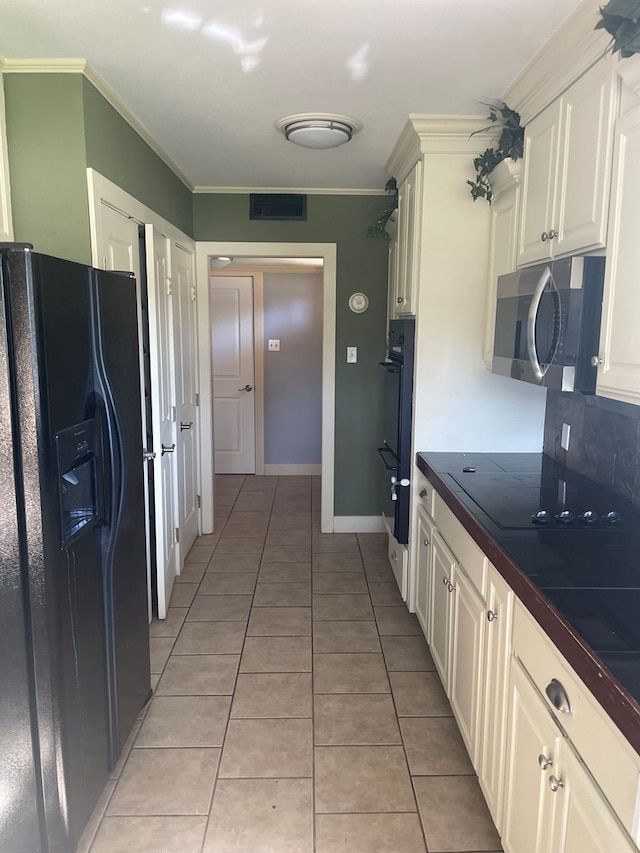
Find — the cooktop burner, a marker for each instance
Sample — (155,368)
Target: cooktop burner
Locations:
(547,499)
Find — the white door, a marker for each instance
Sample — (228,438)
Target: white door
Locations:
(185,336)
(120,250)
(233,371)
(163,412)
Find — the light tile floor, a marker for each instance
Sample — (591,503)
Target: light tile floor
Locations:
(296,706)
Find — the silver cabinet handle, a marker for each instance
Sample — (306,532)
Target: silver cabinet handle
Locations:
(445,580)
(596,361)
(545,761)
(399,300)
(184,426)
(558,696)
(450,586)
(425,542)
(555,783)
(148,455)
(552,234)
(491,615)
(246,388)
(423,493)
(544,236)
(167,449)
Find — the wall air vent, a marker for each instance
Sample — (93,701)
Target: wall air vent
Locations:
(278,206)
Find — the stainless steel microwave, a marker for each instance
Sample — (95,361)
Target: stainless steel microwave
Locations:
(548,324)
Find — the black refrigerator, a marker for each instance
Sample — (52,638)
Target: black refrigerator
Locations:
(74,660)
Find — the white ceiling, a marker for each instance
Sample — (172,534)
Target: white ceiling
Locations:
(209,78)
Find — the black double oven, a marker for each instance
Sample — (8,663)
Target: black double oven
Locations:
(395,451)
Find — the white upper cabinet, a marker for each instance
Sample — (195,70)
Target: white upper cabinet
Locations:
(567,157)
(6,227)
(619,367)
(503,245)
(407,269)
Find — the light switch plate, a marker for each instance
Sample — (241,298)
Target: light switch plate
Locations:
(273,346)
(566,434)
(352,355)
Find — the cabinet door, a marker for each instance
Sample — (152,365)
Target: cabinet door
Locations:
(467,652)
(619,371)
(503,245)
(533,740)
(583,821)
(392,291)
(409,198)
(584,165)
(440,606)
(492,739)
(425,529)
(540,167)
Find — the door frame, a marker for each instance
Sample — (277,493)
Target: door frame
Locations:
(238,250)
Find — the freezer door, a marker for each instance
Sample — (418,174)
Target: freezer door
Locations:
(21,806)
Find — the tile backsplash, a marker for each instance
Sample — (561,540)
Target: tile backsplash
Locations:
(604,442)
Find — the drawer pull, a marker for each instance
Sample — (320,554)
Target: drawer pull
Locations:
(558,697)
(423,493)
(555,784)
(450,586)
(445,580)
(491,615)
(545,761)
(425,543)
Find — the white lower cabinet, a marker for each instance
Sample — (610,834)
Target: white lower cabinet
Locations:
(551,801)
(424,532)
(493,731)
(439,629)
(467,656)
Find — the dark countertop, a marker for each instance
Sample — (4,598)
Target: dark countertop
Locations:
(581,585)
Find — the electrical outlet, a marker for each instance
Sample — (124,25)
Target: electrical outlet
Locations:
(566,433)
(273,346)
(352,355)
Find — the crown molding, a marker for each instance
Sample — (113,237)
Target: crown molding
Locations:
(571,51)
(433,134)
(81,66)
(287,190)
(506,174)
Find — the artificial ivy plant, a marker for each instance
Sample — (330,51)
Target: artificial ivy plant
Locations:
(510,143)
(621,19)
(378,229)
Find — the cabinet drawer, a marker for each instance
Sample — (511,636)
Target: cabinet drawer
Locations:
(611,760)
(425,494)
(465,550)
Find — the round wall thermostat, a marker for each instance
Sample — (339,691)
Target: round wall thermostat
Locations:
(358,302)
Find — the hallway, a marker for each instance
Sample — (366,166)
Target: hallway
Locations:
(296,707)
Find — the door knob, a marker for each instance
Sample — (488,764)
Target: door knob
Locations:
(167,449)
(184,426)
(246,388)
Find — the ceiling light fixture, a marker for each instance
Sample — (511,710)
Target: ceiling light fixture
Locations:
(318,130)
(219,262)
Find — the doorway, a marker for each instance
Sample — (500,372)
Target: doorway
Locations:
(325,254)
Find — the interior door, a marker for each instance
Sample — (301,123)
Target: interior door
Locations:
(119,243)
(163,413)
(233,371)
(185,337)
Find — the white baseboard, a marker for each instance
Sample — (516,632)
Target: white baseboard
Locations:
(358,524)
(293,470)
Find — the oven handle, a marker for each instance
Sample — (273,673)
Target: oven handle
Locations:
(545,278)
(381,452)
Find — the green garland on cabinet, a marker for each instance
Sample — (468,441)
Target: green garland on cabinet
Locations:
(378,229)
(621,19)
(510,143)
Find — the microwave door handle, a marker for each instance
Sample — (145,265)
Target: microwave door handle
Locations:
(545,278)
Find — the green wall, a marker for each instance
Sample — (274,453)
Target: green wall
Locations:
(114,149)
(362,266)
(47,164)
(57,126)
